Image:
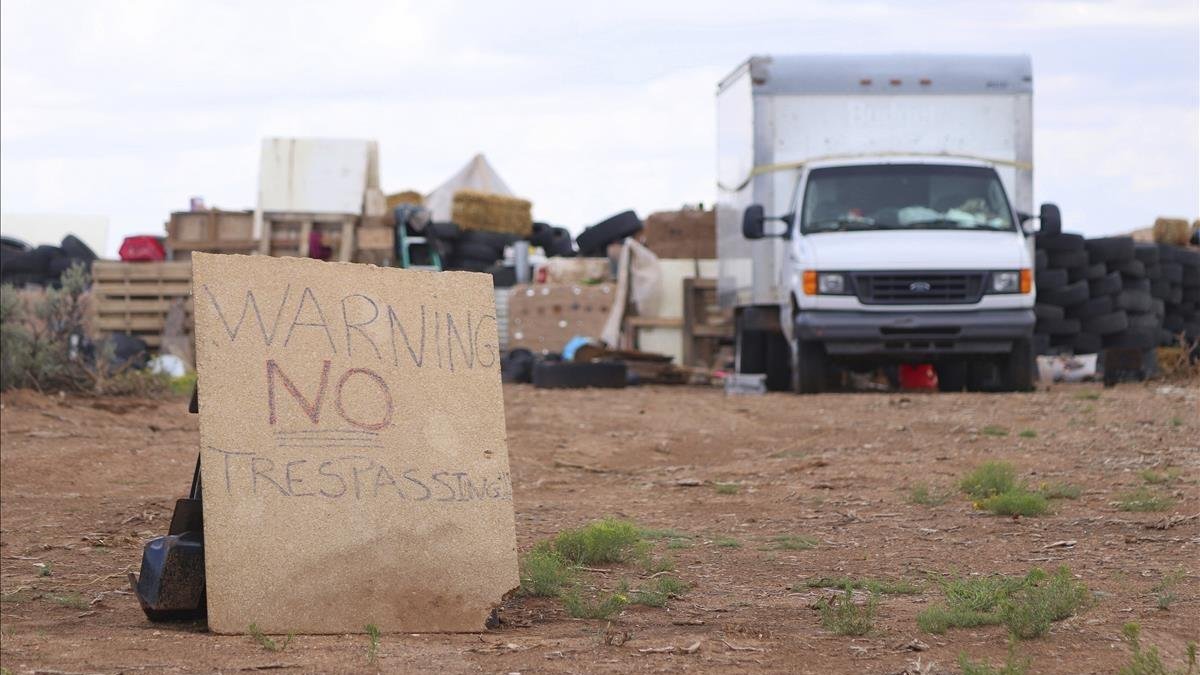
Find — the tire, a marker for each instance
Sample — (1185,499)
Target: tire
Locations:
(1051,278)
(1109,284)
(1128,268)
(1153,272)
(73,247)
(1093,307)
(572,375)
(1136,286)
(1041,343)
(561,245)
(1059,327)
(542,235)
(444,231)
(596,238)
(1071,294)
(1016,369)
(1131,339)
(1087,343)
(1106,324)
(1173,322)
(808,377)
(1172,272)
(516,366)
(952,375)
(1110,249)
(473,250)
(1044,312)
(1059,242)
(1064,259)
(1132,301)
(32,262)
(1081,273)
(1144,321)
(1147,253)
(1041,260)
(495,240)
(1160,288)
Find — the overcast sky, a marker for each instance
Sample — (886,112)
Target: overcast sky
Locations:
(128,108)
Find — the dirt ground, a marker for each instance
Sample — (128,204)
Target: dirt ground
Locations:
(85,482)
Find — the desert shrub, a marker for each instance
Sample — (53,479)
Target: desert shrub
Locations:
(44,344)
(604,541)
(842,616)
(990,478)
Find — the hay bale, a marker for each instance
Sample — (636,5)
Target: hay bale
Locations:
(687,233)
(474,210)
(405,197)
(1171,231)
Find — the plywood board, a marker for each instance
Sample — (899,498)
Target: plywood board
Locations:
(352,433)
(543,317)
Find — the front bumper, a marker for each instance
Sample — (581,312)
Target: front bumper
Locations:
(911,334)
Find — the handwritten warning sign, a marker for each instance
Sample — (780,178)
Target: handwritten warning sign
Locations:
(354,466)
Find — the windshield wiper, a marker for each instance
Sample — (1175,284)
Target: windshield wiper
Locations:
(840,223)
(937,223)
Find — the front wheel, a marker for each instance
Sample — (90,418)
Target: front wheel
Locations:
(808,374)
(1017,367)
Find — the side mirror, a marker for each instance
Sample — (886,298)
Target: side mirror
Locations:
(752,222)
(1051,219)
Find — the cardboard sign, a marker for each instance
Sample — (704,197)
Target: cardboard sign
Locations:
(354,461)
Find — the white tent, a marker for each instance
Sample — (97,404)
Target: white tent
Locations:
(476,175)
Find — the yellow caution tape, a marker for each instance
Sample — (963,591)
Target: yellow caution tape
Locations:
(788,166)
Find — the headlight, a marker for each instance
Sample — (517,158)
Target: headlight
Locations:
(831,284)
(1005,282)
(1011,281)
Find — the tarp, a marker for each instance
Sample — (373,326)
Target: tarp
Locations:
(478,174)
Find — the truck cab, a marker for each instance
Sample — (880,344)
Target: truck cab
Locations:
(896,228)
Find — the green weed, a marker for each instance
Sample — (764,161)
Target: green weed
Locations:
(373,646)
(265,640)
(727,542)
(1155,478)
(1026,605)
(544,572)
(1028,433)
(44,570)
(927,496)
(791,542)
(1165,588)
(604,541)
(657,593)
(1143,499)
(69,600)
(655,535)
(1012,665)
(727,488)
(580,606)
(990,478)
(842,616)
(1148,662)
(993,430)
(1060,491)
(17,596)
(873,586)
(1176,421)
(679,543)
(1087,396)
(1016,503)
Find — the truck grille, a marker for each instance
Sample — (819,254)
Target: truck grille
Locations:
(919,288)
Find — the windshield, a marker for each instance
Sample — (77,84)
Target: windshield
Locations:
(904,196)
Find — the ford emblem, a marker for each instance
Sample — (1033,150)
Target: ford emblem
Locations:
(920,287)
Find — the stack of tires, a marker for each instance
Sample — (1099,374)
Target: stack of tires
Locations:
(1135,317)
(1072,293)
(21,265)
(474,250)
(1179,290)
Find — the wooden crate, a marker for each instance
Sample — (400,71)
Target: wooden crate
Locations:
(213,231)
(135,297)
(287,234)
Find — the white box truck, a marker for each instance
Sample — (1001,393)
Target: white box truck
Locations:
(875,210)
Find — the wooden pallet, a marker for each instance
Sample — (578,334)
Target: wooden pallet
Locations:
(134,298)
(287,234)
(212,231)
(706,326)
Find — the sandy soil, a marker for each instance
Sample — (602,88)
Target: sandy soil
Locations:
(85,482)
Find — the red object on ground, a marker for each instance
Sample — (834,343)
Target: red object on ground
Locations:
(919,376)
(142,248)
